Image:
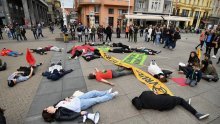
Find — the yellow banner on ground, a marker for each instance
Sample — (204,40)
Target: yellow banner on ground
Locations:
(199,54)
(152,83)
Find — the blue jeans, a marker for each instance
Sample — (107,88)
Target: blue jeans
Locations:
(12,53)
(167,42)
(94,97)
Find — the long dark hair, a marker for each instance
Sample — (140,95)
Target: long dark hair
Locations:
(194,59)
(48,117)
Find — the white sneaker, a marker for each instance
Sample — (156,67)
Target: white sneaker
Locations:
(109,91)
(189,101)
(214,56)
(115,93)
(76,57)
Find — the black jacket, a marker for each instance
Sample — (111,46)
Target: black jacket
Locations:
(158,102)
(63,114)
(194,75)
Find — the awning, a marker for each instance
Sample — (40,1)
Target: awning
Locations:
(157,17)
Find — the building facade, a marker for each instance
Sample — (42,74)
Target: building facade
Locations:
(54,10)
(24,12)
(197,10)
(214,17)
(105,12)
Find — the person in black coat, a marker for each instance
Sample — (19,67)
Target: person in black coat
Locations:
(118,31)
(2,117)
(108,32)
(152,100)
(194,75)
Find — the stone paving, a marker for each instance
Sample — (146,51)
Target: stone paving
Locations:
(38,92)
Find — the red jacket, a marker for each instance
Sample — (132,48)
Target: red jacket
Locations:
(5,52)
(86,49)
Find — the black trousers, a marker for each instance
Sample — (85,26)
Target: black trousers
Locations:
(185,105)
(19,37)
(109,36)
(201,44)
(208,48)
(216,51)
(77,53)
(1,37)
(23,35)
(120,51)
(126,35)
(185,69)
(3,66)
(35,36)
(40,34)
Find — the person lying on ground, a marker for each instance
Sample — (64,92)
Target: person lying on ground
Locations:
(120,50)
(77,51)
(157,72)
(2,117)
(22,74)
(44,50)
(3,65)
(194,75)
(163,102)
(8,52)
(193,58)
(95,44)
(210,73)
(55,72)
(123,46)
(73,107)
(101,76)
(146,51)
(91,55)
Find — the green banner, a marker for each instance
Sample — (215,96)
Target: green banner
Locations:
(135,58)
(104,48)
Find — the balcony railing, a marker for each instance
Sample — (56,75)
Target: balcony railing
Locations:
(86,2)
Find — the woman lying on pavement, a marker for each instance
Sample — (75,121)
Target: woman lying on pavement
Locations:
(145,50)
(22,74)
(193,59)
(73,107)
(44,50)
(109,74)
(3,65)
(157,72)
(8,52)
(56,71)
(76,51)
(91,55)
(162,102)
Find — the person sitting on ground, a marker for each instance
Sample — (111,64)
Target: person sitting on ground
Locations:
(91,55)
(157,72)
(8,52)
(2,117)
(193,58)
(77,51)
(210,73)
(73,107)
(194,75)
(109,74)
(205,62)
(22,74)
(3,65)
(56,71)
(152,100)
(119,50)
(146,51)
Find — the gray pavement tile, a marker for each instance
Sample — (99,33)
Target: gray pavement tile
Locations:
(72,66)
(119,108)
(50,87)
(73,83)
(214,84)
(75,73)
(201,87)
(35,120)
(133,120)
(175,116)
(205,106)
(93,63)
(185,92)
(216,121)
(212,96)
(42,101)
(68,93)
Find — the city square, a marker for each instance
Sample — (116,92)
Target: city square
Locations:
(24,102)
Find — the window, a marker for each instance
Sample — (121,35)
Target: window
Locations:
(96,19)
(96,9)
(185,13)
(141,4)
(111,21)
(110,11)
(121,11)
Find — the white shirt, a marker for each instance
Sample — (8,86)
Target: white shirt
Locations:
(52,68)
(154,69)
(150,31)
(74,104)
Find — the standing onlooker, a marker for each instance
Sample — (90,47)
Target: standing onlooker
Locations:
(34,30)
(101,33)
(209,40)
(118,31)
(216,45)
(153,34)
(141,31)
(23,32)
(158,34)
(1,37)
(149,33)
(108,31)
(72,32)
(86,33)
(65,33)
(131,33)
(18,32)
(8,32)
(146,34)
(79,32)
(126,31)
(175,37)
(135,33)
(39,30)
(93,30)
(51,27)
(167,37)
(12,29)
(201,40)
